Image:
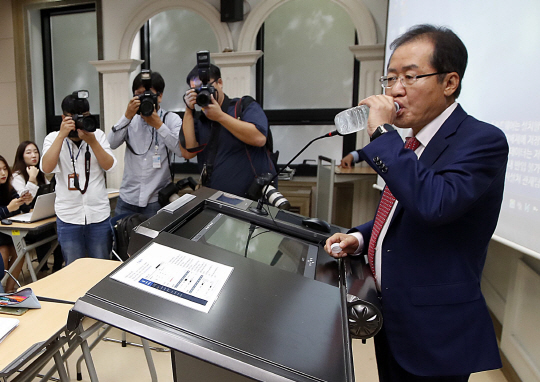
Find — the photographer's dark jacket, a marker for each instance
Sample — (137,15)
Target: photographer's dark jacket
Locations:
(236,163)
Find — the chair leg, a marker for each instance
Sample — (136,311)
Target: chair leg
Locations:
(147,352)
(106,329)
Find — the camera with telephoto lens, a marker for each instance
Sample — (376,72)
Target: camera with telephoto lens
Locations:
(204,92)
(87,123)
(261,185)
(149,99)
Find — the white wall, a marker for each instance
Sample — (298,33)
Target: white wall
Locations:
(9,125)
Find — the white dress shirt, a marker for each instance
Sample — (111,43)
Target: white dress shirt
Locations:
(72,206)
(424,136)
(20,184)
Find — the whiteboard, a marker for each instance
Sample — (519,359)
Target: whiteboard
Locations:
(500,87)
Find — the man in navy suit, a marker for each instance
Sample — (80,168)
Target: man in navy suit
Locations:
(428,242)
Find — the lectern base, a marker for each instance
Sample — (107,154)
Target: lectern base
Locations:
(190,369)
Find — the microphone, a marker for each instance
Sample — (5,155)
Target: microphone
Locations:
(353,120)
(259,209)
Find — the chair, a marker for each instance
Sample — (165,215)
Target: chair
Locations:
(145,344)
(112,223)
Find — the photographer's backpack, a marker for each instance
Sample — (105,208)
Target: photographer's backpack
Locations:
(123,231)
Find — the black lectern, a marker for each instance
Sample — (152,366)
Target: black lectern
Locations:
(283,314)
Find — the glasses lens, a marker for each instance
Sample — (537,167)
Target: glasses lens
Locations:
(388,82)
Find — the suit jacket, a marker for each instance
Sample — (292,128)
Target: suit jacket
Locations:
(435,316)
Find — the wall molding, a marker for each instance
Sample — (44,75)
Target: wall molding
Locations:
(149,9)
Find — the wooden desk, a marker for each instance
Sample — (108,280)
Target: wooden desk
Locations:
(18,231)
(345,196)
(355,171)
(46,325)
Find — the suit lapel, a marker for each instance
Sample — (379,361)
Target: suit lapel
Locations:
(439,143)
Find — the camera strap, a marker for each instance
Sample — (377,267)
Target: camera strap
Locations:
(87,158)
(154,137)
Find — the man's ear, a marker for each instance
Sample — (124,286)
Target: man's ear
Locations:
(451,83)
(63,117)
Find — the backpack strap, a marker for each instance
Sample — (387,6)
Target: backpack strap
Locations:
(239,108)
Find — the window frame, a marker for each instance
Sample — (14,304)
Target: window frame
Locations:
(291,117)
(276,117)
(54,121)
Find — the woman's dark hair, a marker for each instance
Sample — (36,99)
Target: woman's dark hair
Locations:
(19,165)
(6,188)
(449,52)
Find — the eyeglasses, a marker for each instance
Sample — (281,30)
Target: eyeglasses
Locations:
(407,80)
(208,84)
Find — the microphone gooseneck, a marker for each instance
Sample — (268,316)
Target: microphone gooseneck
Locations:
(259,209)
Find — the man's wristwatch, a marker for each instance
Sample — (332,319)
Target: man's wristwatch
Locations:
(380,130)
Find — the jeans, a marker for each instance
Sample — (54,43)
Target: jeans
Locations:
(125,208)
(79,240)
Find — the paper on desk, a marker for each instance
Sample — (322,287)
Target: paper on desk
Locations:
(6,326)
(176,276)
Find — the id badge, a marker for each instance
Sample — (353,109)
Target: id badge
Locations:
(156,161)
(71,181)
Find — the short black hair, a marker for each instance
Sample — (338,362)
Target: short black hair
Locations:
(214,72)
(73,105)
(158,83)
(449,52)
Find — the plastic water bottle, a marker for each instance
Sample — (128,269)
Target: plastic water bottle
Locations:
(354,119)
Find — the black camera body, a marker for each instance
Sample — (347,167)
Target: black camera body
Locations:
(149,99)
(87,123)
(204,92)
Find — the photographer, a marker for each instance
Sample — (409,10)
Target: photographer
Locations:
(151,137)
(230,151)
(79,157)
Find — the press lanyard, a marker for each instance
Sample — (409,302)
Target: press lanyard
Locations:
(87,157)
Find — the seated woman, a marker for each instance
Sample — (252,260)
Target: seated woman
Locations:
(28,176)
(26,173)
(10,204)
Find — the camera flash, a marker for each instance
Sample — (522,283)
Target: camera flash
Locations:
(81,94)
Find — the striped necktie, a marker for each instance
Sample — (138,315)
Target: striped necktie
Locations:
(385,206)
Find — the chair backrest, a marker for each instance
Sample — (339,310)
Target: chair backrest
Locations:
(326,168)
(122,227)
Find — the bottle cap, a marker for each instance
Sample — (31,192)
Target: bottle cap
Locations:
(335,248)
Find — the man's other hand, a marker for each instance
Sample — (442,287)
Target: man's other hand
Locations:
(213,110)
(88,137)
(347,161)
(348,243)
(66,127)
(133,107)
(190,98)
